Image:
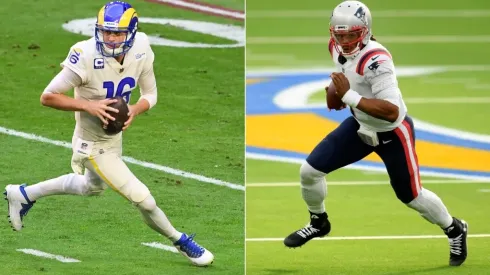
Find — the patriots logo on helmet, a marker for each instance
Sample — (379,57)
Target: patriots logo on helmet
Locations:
(361,14)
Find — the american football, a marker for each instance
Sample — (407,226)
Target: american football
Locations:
(333,101)
(116,126)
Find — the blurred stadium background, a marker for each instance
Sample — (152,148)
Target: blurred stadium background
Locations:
(440,50)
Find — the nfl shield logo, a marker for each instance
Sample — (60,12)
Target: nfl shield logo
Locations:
(99,63)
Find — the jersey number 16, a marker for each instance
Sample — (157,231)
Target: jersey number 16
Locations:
(109,86)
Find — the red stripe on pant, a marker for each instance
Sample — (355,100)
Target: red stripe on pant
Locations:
(412,139)
(413,171)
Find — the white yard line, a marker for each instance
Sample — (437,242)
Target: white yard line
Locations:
(39,253)
(161,246)
(407,237)
(374,182)
(150,165)
(423,100)
(257,40)
(285,71)
(375,13)
(447,100)
(204,8)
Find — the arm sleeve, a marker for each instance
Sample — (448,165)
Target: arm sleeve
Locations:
(147,81)
(380,74)
(63,82)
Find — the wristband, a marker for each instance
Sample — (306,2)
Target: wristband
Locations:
(351,98)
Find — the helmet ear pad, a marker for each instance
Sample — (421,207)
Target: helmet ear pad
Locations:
(132,29)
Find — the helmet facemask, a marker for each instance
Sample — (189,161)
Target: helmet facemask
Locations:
(116,48)
(350,27)
(117,22)
(348,41)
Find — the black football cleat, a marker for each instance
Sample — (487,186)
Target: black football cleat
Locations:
(457,233)
(319,226)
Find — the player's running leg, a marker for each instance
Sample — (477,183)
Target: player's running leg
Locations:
(338,149)
(111,168)
(398,153)
(21,198)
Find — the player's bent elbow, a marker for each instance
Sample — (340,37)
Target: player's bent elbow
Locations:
(393,116)
(46,98)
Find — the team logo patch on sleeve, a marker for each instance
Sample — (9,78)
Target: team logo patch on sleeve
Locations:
(375,65)
(369,56)
(139,55)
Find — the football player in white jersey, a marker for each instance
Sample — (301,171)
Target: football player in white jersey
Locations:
(366,82)
(109,64)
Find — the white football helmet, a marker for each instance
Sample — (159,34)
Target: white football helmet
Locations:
(350,27)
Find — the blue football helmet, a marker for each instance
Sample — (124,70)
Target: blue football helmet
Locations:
(116,18)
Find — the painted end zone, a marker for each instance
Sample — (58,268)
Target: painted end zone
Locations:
(282,126)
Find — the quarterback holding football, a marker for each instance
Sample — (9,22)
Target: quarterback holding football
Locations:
(366,83)
(103,71)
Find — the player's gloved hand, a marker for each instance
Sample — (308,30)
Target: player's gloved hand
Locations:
(341,83)
(99,109)
(131,115)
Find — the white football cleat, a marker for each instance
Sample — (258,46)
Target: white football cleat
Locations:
(19,204)
(197,254)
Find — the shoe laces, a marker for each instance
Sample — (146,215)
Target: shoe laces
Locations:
(456,245)
(190,247)
(307,231)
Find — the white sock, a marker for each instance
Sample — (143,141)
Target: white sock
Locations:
(157,220)
(67,184)
(431,207)
(313,188)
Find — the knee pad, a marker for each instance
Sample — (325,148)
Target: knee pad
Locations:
(148,204)
(310,175)
(95,189)
(94,186)
(135,191)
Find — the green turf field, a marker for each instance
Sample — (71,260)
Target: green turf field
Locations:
(197,126)
(361,204)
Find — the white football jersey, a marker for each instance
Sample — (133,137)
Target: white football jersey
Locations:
(104,77)
(371,73)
